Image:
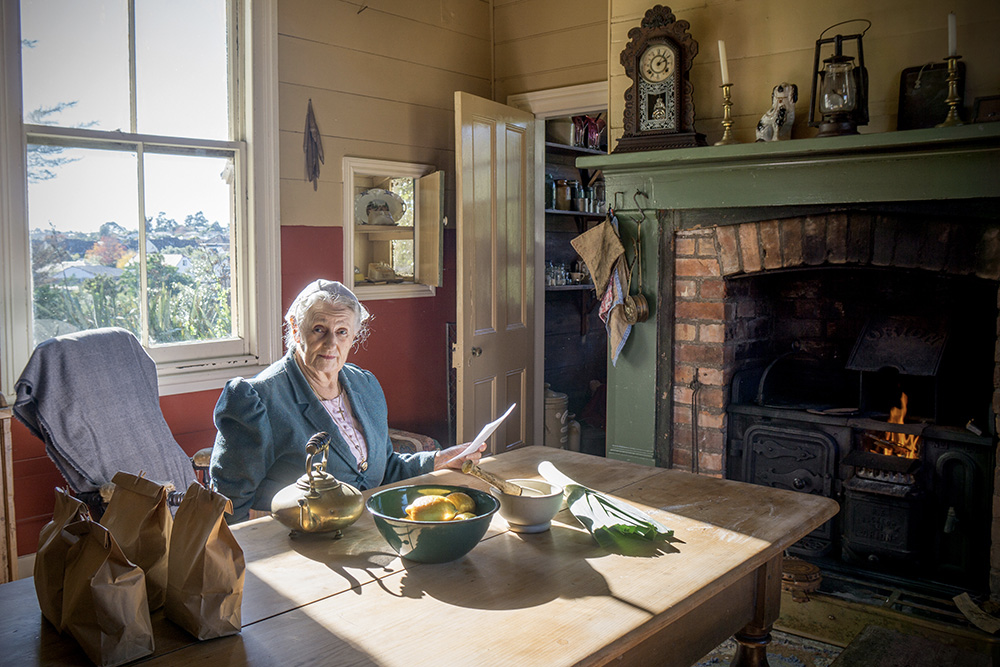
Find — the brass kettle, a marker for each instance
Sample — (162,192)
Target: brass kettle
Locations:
(317,502)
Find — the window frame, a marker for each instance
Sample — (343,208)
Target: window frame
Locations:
(181,367)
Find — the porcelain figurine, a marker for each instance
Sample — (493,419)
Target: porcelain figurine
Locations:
(776,123)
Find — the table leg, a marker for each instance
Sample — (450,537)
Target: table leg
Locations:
(753,639)
(752,647)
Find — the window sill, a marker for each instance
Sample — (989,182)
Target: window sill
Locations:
(176,379)
(397,291)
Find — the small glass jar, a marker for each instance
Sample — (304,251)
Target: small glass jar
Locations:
(564,195)
(575,190)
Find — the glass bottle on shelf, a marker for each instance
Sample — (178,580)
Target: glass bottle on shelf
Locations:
(563,195)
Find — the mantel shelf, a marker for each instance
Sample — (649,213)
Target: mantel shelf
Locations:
(913,165)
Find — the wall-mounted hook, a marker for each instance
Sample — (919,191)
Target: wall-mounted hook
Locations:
(641,210)
(615,201)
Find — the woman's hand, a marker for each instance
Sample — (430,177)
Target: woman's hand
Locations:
(451,457)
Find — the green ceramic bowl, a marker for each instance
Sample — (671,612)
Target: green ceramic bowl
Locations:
(429,541)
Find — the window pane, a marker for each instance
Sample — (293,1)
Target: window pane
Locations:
(189,206)
(182,81)
(83,218)
(75,63)
(402,251)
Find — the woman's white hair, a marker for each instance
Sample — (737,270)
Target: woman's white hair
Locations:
(332,292)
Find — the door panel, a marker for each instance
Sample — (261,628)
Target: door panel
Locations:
(484,397)
(495,348)
(517,241)
(515,432)
(429,232)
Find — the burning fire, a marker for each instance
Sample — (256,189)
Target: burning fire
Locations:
(898,444)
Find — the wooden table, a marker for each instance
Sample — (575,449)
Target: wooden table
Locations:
(553,598)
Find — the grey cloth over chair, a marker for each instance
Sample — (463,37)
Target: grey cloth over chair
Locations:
(92,398)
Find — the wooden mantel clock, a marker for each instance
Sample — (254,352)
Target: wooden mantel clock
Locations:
(659,110)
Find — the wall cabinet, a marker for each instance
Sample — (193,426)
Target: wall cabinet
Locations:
(393,228)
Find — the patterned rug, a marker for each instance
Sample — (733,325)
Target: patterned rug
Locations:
(785,650)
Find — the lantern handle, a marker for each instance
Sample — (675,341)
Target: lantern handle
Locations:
(848,21)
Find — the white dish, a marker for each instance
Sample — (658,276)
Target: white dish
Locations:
(532,511)
(379,207)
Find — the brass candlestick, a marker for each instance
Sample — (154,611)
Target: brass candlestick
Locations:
(727,117)
(953,99)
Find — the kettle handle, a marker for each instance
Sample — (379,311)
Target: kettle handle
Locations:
(317,444)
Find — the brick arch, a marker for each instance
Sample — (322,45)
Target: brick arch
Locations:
(860,239)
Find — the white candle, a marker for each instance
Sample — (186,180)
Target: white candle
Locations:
(952,35)
(723,63)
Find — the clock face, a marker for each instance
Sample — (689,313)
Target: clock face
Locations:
(657,63)
(657,88)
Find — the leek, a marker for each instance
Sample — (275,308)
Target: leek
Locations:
(607,518)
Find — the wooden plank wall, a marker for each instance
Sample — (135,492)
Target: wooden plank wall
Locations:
(771,41)
(381,76)
(543,44)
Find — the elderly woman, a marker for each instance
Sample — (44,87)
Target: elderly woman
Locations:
(264,422)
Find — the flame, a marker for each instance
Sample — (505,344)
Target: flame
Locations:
(898,444)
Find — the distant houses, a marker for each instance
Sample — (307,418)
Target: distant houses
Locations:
(79,270)
(179,262)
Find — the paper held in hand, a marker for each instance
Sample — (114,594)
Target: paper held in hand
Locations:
(484,434)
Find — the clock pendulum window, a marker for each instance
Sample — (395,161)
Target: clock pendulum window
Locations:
(659,111)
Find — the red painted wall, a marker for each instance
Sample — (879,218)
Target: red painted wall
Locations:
(406,350)
(35,476)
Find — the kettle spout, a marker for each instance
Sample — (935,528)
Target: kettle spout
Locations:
(306,519)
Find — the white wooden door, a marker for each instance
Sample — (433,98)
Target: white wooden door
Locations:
(494,357)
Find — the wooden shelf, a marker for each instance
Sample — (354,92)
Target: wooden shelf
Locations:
(588,300)
(385,232)
(564,149)
(575,214)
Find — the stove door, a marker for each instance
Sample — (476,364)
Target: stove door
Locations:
(797,460)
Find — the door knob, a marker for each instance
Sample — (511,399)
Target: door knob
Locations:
(477,351)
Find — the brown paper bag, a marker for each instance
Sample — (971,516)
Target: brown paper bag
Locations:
(104,597)
(140,520)
(50,557)
(205,584)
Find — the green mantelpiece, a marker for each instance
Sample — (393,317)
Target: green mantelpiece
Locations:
(724,185)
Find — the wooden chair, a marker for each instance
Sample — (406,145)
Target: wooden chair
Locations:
(406,442)
(92,398)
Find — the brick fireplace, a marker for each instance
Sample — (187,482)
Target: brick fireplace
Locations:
(772,255)
(792,296)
